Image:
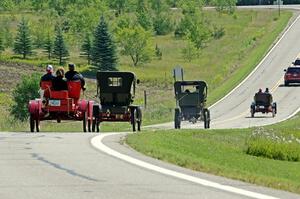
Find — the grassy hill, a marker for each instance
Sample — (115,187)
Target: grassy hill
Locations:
(223,63)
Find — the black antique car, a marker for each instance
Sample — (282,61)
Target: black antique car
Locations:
(191,103)
(116,91)
(263,102)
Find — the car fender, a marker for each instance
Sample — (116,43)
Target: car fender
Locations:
(35,107)
(82,105)
(90,109)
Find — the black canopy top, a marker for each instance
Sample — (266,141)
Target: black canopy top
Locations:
(115,82)
(200,85)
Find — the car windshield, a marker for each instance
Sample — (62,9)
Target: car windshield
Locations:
(297,62)
(293,70)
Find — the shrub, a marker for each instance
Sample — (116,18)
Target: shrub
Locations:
(268,144)
(218,32)
(163,24)
(26,90)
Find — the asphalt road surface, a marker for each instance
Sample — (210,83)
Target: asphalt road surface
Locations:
(64,166)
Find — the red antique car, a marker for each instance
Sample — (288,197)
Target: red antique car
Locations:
(60,105)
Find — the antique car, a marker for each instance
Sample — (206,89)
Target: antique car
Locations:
(116,92)
(60,105)
(191,103)
(263,103)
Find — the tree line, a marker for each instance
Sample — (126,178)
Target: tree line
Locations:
(129,25)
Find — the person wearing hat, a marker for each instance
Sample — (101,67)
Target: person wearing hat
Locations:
(49,74)
(73,75)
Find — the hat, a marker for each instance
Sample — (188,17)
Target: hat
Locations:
(49,68)
(72,65)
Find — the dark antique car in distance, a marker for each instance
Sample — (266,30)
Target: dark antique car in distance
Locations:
(191,103)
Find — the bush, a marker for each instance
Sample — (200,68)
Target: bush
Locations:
(163,24)
(269,145)
(26,90)
(218,32)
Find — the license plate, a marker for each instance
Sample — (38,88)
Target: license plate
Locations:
(54,102)
(261,107)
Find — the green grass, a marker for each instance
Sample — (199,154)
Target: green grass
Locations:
(223,152)
(223,63)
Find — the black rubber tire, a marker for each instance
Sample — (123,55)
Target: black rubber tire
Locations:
(206,116)
(133,118)
(84,121)
(89,123)
(31,123)
(286,83)
(208,119)
(93,125)
(273,111)
(97,126)
(252,112)
(177,119)
(37,125)
(139,118)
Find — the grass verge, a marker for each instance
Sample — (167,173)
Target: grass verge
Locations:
(224,153)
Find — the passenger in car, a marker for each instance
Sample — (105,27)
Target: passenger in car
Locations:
(73,75)
(49,74)
(59,83)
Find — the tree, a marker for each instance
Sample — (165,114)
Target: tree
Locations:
(227,6)
(60,50)
(189,52)
(118,5)
(163,24)
(199,35)
(26,90)
(104,55)
(2,48)
(23,44)
(86,48)
(145,19)
(135,42)
(48,46)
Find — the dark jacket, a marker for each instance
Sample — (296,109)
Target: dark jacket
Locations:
(47,77)
(74,75)
(58,84)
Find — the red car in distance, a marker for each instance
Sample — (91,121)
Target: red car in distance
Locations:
(292,75)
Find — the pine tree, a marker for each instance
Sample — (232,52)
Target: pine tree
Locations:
(104,51)
(86,48)
(48,46)
(2,48)
(23,44)
(60,50)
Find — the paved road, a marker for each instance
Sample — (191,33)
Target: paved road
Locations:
(63,166)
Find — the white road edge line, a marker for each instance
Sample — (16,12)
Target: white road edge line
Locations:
(256,68)
(97,143)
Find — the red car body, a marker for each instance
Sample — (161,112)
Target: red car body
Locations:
(292,75)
